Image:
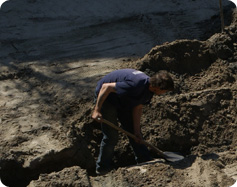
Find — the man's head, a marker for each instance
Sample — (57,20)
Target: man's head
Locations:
(161,83)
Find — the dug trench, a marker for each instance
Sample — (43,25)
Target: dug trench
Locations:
(198,119)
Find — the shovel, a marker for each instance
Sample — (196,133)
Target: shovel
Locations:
(168,156)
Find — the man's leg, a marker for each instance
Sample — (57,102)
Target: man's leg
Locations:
(140,151)
(110,139)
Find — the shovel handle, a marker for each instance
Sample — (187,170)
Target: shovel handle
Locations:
(159,152)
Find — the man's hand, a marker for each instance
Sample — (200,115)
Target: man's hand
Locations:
(97,116)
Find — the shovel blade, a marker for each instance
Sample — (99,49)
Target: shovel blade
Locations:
(173,157)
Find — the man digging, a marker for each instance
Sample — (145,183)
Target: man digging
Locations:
(121,95)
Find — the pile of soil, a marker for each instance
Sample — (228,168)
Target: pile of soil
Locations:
(198,119)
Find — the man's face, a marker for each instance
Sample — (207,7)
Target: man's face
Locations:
(158,91)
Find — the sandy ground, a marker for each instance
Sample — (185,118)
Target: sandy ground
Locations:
(54,52)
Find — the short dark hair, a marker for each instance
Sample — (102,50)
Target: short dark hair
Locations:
(163,80)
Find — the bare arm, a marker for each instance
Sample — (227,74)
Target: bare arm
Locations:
(105,90)
(137,113)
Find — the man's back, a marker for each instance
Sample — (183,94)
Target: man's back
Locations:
(132,88)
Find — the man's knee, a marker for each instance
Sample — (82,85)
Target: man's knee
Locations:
(111,138)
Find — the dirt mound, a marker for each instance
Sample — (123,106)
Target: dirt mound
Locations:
(73,176)
(179,56)
(200,120)
(203,115)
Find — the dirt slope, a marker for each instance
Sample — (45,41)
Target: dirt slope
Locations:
(199,120)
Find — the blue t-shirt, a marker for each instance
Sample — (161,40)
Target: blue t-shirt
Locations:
(132,88)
